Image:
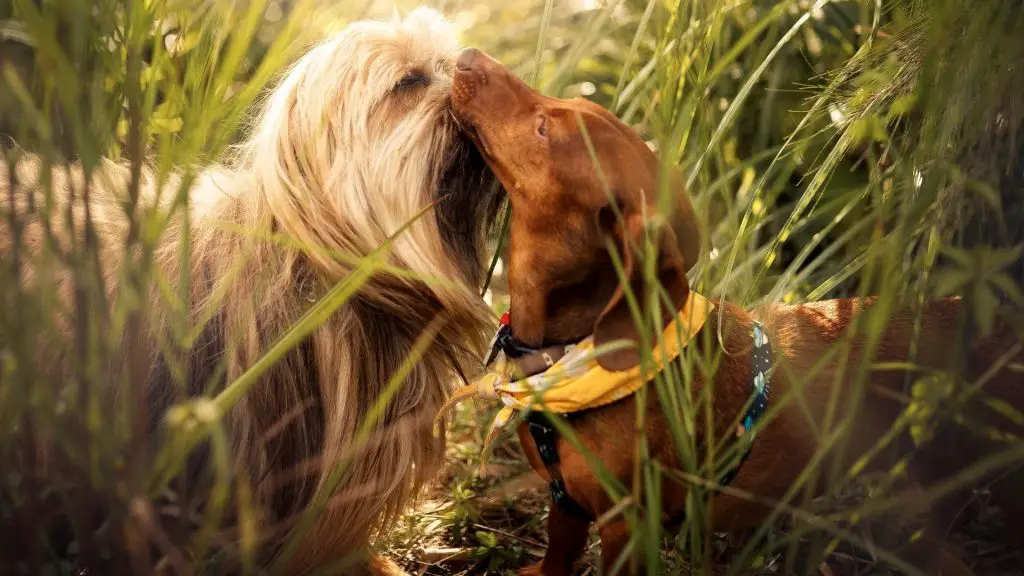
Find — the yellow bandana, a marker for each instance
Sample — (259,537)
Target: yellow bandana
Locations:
(576,381)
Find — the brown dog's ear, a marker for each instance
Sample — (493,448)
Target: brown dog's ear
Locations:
(616,320)
(685,224)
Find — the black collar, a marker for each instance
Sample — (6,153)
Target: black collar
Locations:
(505,341)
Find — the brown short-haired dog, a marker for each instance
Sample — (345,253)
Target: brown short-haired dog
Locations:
(564,287)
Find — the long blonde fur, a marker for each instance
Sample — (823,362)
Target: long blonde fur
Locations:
(340,158)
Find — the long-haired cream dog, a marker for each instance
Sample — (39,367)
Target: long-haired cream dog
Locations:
(352,144)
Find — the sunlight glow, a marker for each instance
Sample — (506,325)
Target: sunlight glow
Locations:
(837,116)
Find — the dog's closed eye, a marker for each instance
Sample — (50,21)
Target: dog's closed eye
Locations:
(412,79)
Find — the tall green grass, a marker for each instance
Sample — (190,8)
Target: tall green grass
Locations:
(832,148)
(868,182)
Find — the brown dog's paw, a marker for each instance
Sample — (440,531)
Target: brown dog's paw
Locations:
(381,566)
(535,570)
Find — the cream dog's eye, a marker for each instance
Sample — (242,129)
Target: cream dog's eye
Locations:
(542,125)
(411,80)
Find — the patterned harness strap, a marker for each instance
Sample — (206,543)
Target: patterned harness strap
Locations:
(760,387)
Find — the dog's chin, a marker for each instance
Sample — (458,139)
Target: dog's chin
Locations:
(477,137)
(470,201)
(466,125)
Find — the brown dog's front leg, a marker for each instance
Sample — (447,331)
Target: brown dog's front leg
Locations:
(614,538)
(567,537)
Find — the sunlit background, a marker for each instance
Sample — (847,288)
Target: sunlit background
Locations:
(831,148)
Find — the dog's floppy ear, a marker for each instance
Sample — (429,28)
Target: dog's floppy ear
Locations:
(616,320)
(685,225)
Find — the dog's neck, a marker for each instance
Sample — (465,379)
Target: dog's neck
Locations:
(568,315)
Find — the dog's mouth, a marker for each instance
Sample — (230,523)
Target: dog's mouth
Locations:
(478,138)
(469,128)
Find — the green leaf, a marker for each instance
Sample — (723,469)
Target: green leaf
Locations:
(902,105)
(868,129)
(1006,409)
(486,538)
(166,125)
(927,394)
(1000,258)
(986,193)
(961,256)
(1009,287)
(985,306)
(948,281)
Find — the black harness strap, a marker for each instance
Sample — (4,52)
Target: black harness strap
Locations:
(546,438)
(544,435)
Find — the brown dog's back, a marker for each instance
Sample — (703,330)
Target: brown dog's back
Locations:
(824,346)
(816,362)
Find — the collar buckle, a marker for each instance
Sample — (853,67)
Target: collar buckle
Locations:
(505,342)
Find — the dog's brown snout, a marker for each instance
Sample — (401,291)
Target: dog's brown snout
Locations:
(466,58)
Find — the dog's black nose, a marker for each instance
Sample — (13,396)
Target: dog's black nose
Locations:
(465,61)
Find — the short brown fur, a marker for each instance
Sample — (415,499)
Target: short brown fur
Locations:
(563,287)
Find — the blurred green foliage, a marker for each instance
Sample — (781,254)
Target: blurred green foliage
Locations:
(833,148)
